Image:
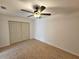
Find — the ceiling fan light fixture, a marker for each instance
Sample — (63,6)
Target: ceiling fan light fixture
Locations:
(37,11)
(37,14)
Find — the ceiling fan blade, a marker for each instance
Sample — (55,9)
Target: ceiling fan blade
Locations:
(36,7)
(26,10)
(48,14)
(29,15)
(42,8)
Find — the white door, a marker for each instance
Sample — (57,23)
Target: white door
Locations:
(25,31)
(19,31)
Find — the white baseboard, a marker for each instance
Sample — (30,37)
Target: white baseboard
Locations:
(59,47)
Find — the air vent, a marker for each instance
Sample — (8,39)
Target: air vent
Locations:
(3,7)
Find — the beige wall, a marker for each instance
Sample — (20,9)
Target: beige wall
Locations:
(61,31)
(4,30)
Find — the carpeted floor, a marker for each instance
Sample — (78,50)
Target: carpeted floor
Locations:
(34,49)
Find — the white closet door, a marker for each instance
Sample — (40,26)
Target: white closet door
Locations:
(12,30)
(18,31)
(25,31)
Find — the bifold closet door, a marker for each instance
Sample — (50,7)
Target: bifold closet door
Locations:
(25,31)
(19,31)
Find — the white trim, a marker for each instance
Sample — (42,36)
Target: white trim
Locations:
(73,53)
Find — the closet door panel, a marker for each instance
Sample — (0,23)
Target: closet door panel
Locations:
(13,31)
(25,31)
(18,32)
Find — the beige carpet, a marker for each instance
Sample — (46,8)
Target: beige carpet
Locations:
(33,49)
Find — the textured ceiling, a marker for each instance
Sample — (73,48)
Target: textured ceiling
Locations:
(57,6)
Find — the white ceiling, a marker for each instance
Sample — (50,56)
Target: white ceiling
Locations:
(58,6)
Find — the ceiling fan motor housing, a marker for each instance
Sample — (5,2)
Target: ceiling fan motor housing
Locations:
(37,14)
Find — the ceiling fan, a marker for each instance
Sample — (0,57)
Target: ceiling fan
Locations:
(37,13)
